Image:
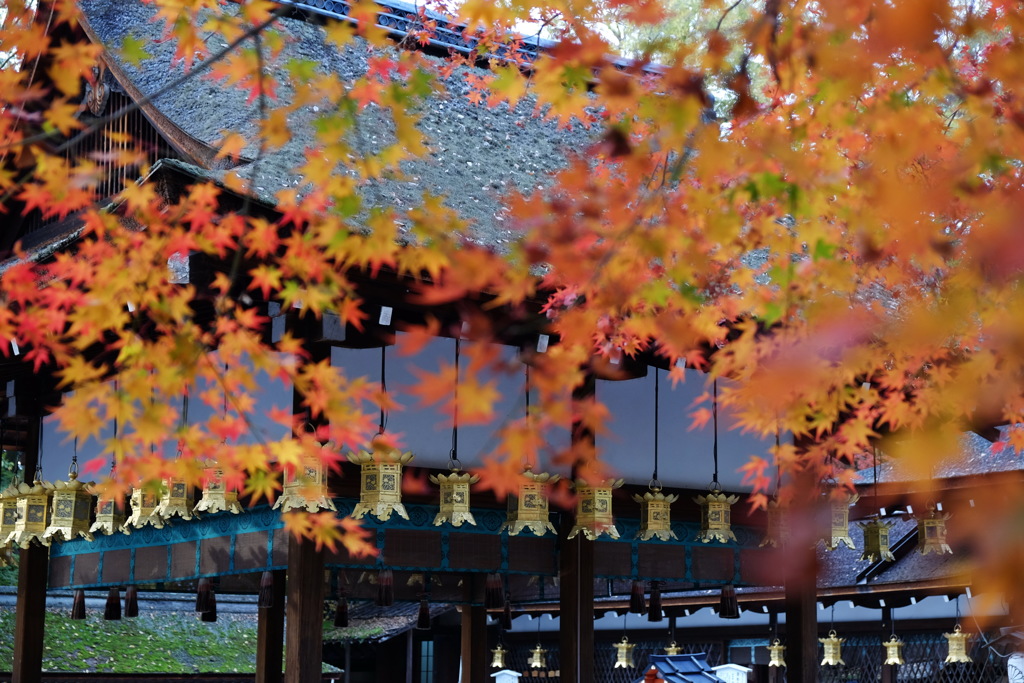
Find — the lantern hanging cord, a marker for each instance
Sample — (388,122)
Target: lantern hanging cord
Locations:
(625,615)
(383,389)
(453,455)
(832,618)
(183,425)
(655,484)
(714,446)
(73,469)
(526,390)
(113,455)
(778,465)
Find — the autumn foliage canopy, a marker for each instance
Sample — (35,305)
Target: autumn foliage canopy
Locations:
(818,201)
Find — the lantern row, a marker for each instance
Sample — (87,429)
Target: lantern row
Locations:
(43,512)
(832,646)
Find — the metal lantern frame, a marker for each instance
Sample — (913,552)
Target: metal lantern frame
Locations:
(71,509)
(215,495)
(833,649)
(380,481)
(528,507)
(33,506)
(624,654)
(877,540)
(839,522)
(594,509)
(305,488)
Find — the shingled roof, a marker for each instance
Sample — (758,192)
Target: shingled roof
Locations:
(477,153)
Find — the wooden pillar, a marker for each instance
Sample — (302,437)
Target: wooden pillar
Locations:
(34,561)
(270,635)
(576,571)
(305,610)
(801,574)
(474,634)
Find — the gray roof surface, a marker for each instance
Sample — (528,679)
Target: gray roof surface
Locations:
(977,456)
(476,153)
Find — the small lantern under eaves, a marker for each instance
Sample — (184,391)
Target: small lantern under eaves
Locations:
(537,659)
(33,513)
(777,654)
(178,499)
(71,510)
(624,654)
(716,516)
(306,488)
(876,541)
(957,641)
(655,515)
(833,650)
(454,497)
(498,657)
(144,504)
(839,522)
(380,482)
(594,509)
(893,651)
(528,508)
(109,518)
(931,533)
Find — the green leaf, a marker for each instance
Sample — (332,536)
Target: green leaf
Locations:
(133,50)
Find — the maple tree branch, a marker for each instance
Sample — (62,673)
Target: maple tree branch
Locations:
(728,9)
(138,104)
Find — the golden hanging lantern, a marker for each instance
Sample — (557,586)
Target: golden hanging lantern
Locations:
(777,654)
(33,507)
(178,498)
(776,533)
(957,646)
(624,654)
(893,650)
(216,497)
(839,527)
(655,515)
(454,497)
(306,487)
(537,659)
(144,504)
(109,518)
(876,541)
(672,648)
(498,657)
(71,510)
(594,509)
(528,509)
(931,533)
(380,483)
(833,650)
(715,515)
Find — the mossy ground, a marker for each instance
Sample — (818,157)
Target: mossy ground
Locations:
(156,642)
